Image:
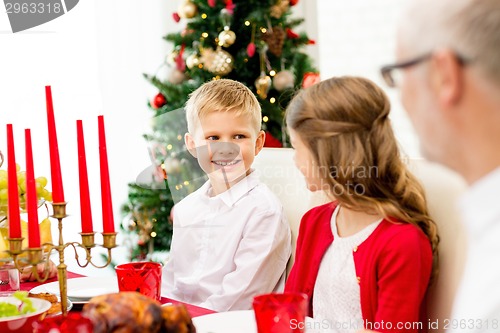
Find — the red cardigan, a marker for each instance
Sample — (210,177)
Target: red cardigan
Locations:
(393,266)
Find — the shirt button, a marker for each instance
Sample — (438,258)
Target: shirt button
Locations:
(359,279)
(355,249)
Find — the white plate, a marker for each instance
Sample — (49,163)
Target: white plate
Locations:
(226,322)
(81,290)
(230,322)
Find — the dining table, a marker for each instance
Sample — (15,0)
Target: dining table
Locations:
(194,311)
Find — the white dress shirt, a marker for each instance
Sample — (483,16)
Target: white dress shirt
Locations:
(227,248)
(477,303)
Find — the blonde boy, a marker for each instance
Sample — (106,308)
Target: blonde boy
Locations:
(231,240)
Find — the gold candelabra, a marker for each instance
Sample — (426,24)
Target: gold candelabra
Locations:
(36,256)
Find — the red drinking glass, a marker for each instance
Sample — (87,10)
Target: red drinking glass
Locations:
(280,312)
(143,277)
(73,322)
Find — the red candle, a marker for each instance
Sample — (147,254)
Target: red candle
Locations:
(55,165)
(107,206)
(31,201)
(13,213)
(86,212)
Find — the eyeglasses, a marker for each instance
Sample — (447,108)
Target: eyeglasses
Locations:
(392,74)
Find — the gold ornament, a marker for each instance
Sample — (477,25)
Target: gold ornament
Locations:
(187,9)
(280,8)
(192,61)
(206,57)
(283,80)
(263,84)
(227,37)
(221,62)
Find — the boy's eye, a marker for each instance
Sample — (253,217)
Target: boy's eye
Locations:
(213,137)
(239,136)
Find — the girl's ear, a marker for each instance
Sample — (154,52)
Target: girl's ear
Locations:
(190,144)
(259,143)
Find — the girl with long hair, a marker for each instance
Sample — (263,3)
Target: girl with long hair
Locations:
(366,258)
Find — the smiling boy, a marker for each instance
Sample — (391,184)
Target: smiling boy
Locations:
(231,240)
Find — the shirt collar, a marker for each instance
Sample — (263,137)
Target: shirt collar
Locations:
(236,192)
(479,204)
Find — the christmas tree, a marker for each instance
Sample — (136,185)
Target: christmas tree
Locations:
(250,41)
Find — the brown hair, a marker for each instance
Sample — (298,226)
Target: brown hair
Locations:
(344,123)
(222,96)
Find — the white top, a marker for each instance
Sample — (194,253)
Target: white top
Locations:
(227,248)
(336,298)
(477,303)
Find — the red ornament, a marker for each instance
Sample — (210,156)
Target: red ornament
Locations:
(290,34)
(271,141)
(311,42)
(158,101)
(230,6)
(179,60)
(176,17)
(309,79)
(211,3)
(251,49)
(293,2)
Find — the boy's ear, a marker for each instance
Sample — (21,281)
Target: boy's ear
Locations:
(259,143)
(190,144)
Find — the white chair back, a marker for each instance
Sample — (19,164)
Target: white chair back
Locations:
(443,188)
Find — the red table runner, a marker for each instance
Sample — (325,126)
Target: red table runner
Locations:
(194,310)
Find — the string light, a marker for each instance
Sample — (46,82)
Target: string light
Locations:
(247,23)
(204,16)
(153,234)
(272,72)
(204,35)
(265,119)
(169,146)
(263,30)
(272,100)
(186,182)
(179,137)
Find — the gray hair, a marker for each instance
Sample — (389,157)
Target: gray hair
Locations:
(469,27)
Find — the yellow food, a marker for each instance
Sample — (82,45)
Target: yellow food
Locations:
(45,236)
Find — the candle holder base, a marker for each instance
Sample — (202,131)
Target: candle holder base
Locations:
(59,209)
(109,240)
(35,256)
(88,239)
(15,246)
